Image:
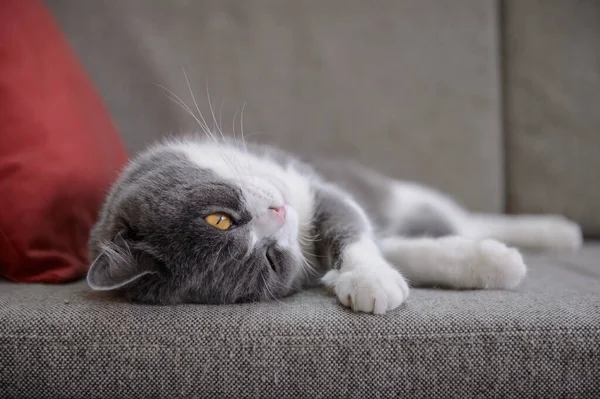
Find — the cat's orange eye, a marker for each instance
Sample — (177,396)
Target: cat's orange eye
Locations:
(219,220)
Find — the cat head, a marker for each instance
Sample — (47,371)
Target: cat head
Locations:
(172,231)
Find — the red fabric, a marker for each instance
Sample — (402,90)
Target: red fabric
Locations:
(59,150)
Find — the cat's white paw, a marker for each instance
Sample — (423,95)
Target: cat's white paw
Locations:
(372,290)
(501,266)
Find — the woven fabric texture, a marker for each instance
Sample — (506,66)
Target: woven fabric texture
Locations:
(542,340)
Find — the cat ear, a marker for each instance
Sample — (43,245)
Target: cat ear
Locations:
(116,266)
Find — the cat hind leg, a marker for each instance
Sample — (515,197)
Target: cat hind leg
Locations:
(455,262)
(536,232)
(425,212)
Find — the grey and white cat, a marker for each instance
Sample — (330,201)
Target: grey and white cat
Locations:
(201,221)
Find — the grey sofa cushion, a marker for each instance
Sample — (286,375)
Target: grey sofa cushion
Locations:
(553,108)
(410,87)
(542,340)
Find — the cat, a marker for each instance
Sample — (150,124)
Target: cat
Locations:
(196,220)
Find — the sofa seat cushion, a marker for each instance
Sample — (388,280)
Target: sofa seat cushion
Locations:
(541,340)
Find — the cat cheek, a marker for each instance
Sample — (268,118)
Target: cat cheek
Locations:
(252,239)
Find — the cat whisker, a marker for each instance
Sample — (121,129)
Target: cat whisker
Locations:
(269,293)
(307,241)
(307,233)
(304,269)
(215,123)
(242,140)
(307,262)
(202,121)
(219,129)
(233,126)
(220,114)
(205,125)
(242,126)
(309,225)
(315,255)
(217,126)
(199,118)
(235,138)
(177,100)
(287,287)
(310,238)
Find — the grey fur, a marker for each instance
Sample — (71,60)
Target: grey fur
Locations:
(427,221)
(373,191)
(368,188)
(336,223)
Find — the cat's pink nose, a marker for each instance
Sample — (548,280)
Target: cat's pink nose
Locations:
(279,211)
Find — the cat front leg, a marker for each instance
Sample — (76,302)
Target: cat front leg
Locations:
(365,282)
(358,273)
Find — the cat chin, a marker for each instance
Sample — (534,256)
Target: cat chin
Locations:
(287,235)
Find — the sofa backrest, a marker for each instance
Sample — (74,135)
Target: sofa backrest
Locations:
(419,89)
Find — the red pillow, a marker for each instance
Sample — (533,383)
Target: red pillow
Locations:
(59,150)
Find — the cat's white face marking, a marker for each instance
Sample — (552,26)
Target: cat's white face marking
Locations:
(272,214)
(265,185)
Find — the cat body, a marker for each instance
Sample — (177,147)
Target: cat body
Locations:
(207,221)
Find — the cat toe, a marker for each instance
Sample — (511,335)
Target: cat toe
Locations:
(503,266)
(370,291)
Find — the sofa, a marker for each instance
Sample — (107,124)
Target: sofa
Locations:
(494,102)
